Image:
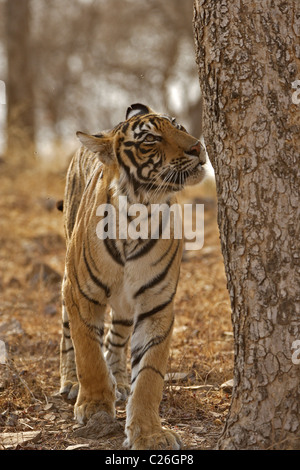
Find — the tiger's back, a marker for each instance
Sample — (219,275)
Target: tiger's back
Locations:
(83,165)
(144,160)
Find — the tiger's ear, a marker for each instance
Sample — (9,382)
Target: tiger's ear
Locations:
(99,143)
(136,109)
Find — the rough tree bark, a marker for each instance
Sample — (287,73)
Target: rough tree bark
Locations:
(248,56)
(19,83)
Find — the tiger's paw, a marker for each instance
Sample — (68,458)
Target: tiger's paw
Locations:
(69,391)
(122,393)
(164,439)
(84,410)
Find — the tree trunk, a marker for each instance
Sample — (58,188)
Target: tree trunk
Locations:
(248,54)
(20,80)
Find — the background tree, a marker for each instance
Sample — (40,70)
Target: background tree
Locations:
(248,56)
(20,81)
(89,63)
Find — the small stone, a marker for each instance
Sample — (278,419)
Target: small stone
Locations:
(227,386)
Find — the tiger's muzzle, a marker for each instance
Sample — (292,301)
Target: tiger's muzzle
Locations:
(197,150)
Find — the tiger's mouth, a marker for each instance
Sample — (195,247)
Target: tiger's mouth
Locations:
(180,176)
(196,174)
(196,164)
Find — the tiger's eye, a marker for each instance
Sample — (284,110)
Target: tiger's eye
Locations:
(150,138)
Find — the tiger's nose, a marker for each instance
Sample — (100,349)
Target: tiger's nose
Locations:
(196,149)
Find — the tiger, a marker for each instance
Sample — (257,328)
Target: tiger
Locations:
(148,158)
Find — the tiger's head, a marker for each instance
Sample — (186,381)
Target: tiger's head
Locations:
(154,155)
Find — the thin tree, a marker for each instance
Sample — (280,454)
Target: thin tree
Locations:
(20,81)
(248,56)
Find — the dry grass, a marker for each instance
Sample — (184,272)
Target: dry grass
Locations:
(32,236)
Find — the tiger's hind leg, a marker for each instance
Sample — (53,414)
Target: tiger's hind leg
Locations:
(96,391)
(116,344)
(149,350)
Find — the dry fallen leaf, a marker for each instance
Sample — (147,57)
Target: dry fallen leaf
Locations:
(12,439)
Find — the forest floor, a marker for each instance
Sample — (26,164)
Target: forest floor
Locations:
(32,252)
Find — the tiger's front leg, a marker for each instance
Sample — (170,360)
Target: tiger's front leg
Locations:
(116,345)
(150,350)
(96,383)
(68,374)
